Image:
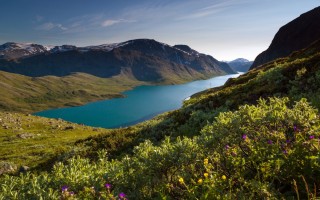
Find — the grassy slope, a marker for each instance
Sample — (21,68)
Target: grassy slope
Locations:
(188,121)
(279,152)
(25,94)
(277,78)
(29,140)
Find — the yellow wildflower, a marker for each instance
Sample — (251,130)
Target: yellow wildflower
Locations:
(200,181)
(223,177)
(181,181)
(206,161)
(205,175)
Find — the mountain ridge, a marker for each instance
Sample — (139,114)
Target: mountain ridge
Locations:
(144,59)
(295,35)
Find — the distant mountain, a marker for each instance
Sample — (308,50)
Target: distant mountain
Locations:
(12,50)
(142,59)
(294,36)
(240,64)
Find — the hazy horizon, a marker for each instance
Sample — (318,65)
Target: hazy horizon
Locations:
(226,29)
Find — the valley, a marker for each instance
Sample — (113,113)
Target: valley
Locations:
(253,135)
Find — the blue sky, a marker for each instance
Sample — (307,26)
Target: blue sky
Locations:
(225,29)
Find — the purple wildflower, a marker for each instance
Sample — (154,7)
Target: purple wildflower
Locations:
(122,195)
(227,147)
(288,141)
(244,137)
(71,193)
(64,188)
(285,151)
(295,128)
(311,137)
(107,185)
(269,141)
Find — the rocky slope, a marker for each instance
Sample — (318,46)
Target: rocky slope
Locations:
(295,35)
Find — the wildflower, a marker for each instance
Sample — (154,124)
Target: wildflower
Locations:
(122,195)
(311,137)
(71,193)
(285,151)
(269,141)
(205,161)
(64,188)
(295,128)
(200,181)
(107,185)
(206,175)
(288,141)
(244,137)
(227,147)
(181,181)
(223,177)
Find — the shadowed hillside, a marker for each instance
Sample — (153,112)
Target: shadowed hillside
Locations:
(293,36)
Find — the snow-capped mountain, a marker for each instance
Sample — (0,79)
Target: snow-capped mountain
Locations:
(12,50)
(63,48)
(105,47)
(240,64)
(144,59)
(241,60)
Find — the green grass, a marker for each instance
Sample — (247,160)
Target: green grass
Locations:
(277,78)
(49,138)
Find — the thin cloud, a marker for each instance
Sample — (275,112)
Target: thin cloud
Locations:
(212,9)
(50,26)
(111,22)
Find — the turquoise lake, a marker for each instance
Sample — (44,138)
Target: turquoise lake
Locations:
(141,103)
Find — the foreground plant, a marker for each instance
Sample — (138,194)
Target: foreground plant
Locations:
(268,151)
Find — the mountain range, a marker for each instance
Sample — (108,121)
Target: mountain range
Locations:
(141,59)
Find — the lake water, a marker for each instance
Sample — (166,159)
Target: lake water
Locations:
(141,103)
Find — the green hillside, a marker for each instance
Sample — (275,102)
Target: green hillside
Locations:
(26,94)
(256,137)
(27,140)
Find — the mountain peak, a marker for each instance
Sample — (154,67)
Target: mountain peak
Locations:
(14,50)
(243,60)
(240,64)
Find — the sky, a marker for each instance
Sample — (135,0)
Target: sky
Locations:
(225,29)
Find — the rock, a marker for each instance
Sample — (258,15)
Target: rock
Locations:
(6,167)
(24,169)
(69,128)
(25,135)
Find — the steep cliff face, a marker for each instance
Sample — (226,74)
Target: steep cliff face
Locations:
(295,35)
